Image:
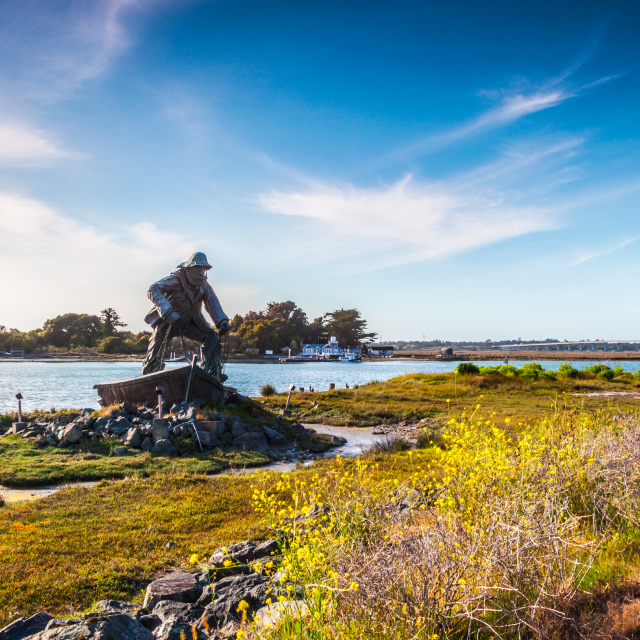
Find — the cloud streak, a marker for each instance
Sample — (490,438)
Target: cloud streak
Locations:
(23,145)
(513,106)
(597,254)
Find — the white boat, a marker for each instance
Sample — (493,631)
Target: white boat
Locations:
(350,357)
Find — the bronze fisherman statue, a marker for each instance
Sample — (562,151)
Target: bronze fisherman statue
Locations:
(177,312)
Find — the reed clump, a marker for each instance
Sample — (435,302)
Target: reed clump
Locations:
(495,537)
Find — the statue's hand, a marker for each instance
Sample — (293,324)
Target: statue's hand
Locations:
(224,328)
(172,317)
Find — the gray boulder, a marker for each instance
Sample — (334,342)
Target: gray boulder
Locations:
(266,549)
(119,426)
(273,436)
(177,587)
(239,554)
(147,444)
(25,627)
(164,448)
(87,412)
(99,627)
(207,439)
(117,606)
(177,619)
(188,413)
(120,451)
(129,408)
(229,592)
(217,427)
(101,423)
(239,428)
(132,438)
(52,439)
(117,413)
(251,441)
(72,433)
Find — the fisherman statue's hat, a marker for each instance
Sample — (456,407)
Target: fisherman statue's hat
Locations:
(198,259)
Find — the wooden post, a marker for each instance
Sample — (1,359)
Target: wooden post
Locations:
(159,394)
(19,398)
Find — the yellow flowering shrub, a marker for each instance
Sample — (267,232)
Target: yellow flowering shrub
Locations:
(490,537)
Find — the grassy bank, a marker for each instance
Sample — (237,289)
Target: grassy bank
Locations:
(22,464)
(69,550)
(438,396)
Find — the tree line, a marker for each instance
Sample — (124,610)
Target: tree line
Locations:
(284,324)
(280,325)
(77,332)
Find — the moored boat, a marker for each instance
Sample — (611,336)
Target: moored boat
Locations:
(350,356)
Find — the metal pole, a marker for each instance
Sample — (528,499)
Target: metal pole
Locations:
(193,367)
(292,388)
(19,398)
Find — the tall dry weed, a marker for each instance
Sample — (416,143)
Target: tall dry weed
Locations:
(492,539)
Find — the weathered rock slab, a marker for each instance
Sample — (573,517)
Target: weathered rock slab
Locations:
(113,627)
(177,587)
(229,592)
(164,448)
(242,552)
(25,627)
(251,441)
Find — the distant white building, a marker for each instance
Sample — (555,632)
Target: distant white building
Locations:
(330,350)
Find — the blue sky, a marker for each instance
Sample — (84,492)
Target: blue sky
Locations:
(456,170)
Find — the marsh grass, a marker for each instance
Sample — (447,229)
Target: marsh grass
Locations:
(23,464)
(441,396)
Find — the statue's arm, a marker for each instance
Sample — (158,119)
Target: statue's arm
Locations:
(157,292)
(213,307)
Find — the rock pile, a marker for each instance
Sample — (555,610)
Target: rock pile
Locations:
(209,604)
(139,428)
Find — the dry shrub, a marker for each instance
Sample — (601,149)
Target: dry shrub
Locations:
(494,541)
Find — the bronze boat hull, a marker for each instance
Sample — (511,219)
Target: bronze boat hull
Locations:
(173,382)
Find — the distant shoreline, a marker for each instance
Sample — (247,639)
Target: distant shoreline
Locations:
(462,356)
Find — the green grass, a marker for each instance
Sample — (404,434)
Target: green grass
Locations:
(437,396)
(24,464)
(67,551)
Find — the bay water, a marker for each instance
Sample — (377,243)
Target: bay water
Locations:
(46,385)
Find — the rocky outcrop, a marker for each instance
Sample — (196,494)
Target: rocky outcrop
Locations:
(25,627)
(138,428)
(203,605)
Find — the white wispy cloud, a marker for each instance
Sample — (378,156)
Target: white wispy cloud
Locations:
(512,105)
(21,144)
(597,254)
(48,49)
(404,222)
(54,264)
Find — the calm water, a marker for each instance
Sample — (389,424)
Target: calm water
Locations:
(70,384)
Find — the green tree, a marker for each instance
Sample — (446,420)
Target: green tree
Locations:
(348,326)
(110,322)
(83,327)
